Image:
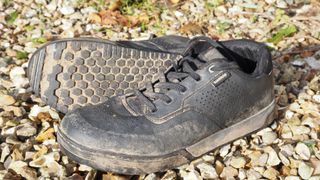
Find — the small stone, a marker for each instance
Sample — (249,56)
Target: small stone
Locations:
(224,150)
(288,149)
(316,165)
(238,162)
(298,130)
(295,107)
(48,134)
(303,151)
(316,98)
(315,178)
(284,159)
(292,178)
(52,6)
(219,167)
(45,160)
(207,171)
(229,172)
(67,10)
(16,155)
(17,76)
(9,132)
(270,173)
(263,159)
(192,175)
(5,151)
(305,171)
(174,1)
(83,167)
(6,100)
(273,159)
(313,63)
(29,155)
(208,158)
(242,174)
(26,130)
(22,168)
(269,137)
(169,175)
(151,176)
(285,171)
(252,174)
(53,169)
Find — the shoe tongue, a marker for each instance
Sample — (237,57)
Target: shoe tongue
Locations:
(211,54)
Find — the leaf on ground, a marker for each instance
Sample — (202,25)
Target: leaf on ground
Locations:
(222,26)
(115,5)
(174,1)
(191,28)
(11,18)
(39,40)
(113,18)
(22,55)
(282,33)
(94,18)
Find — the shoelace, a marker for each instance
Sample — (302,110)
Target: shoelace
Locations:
(186,66)
(171,80)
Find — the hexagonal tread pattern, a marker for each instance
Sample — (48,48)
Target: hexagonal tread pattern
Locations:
(89,72)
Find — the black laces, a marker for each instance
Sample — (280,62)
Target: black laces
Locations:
(170,80)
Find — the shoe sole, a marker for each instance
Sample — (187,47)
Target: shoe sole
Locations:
(71,73)
(124,164)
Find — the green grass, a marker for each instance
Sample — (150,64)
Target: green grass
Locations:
(22,55)
(212,4)
(11,18)
(7,3)
(282,33)
(222,26)
(40,40)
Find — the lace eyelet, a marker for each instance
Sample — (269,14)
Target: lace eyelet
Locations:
(154,110)
(168,102)
(183,91)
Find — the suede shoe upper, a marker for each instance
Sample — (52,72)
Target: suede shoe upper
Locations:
(212,87)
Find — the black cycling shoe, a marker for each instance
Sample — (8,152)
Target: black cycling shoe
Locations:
(216,93)
(70,73)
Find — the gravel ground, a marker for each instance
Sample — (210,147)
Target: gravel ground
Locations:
(288,149)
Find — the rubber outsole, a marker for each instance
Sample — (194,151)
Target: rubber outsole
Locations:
(124,164)
(71,73)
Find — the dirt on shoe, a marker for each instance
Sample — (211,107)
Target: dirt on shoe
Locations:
(216,93)
(71,73)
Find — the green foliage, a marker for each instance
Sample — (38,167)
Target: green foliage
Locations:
(39,40)
(311,145)
(143,27)
(7,3)
(11,18)
(254,18)
(211,4)
(22,55)
(222,26)
(29,28)
(128,6)
(282,33)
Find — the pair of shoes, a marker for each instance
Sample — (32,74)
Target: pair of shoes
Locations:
(210,94)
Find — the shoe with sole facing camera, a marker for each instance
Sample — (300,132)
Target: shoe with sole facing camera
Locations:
(216,93)
(70,73)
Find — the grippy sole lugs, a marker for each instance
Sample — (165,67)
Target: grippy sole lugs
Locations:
(72,73)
